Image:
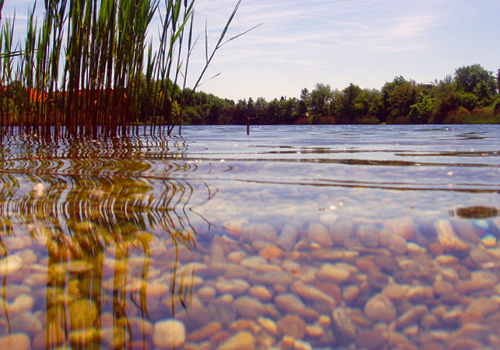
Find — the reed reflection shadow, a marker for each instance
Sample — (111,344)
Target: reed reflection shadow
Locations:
(109,223)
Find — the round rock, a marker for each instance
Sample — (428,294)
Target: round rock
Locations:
(169,334)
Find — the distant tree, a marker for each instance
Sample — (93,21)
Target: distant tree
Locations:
(319,102)
(477,80)
(400,95)
(350,104)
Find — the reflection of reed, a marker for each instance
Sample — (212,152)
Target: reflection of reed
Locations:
(102,213)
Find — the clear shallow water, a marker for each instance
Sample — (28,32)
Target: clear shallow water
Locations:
(292,237)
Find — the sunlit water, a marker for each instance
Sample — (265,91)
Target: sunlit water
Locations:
(294,237)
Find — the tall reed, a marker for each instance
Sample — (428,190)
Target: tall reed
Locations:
(89,69)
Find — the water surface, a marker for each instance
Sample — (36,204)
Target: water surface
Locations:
(292,237)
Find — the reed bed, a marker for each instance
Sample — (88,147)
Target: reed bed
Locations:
(89,69)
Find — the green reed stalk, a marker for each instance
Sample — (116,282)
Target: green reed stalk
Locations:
(107,80)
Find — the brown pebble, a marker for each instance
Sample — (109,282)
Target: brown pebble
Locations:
(240,341)
(411,316)
(205,332)
(380,308)
(471,316)
(292,325)
(350,293)
(343,323)
(16,341)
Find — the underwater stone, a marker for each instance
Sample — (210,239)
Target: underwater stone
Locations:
(10,265)
(82,314)
(380,308)
(248,307)
(240,341)
(287,238)
(16,341)
(292,325)
(333,273)
(447,238)
(319,233)
(169,334)
(291,303)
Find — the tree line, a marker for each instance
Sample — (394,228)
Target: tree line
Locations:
(470,95)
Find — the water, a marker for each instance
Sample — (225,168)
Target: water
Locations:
(295,237)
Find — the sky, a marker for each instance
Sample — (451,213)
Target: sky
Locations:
(337,42)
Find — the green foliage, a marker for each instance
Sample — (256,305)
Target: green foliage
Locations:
(400,101)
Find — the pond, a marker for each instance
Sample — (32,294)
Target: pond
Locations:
(292,237)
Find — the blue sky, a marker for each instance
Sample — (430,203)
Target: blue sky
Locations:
(364,42)
(338,42)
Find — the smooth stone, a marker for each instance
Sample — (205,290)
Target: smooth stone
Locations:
(292,325)
(350,293)
(314,331)
(270,252)
(489,240)
(380,308)
(236,257)
(403,227)
(480,255)
(115,337)
(233,286)
(411,316)
(259,264)
(261,293)
(16,341)
(217,254)
(20,304)
(268,325)
(205,332)
(206,293)
(139,326)
(447,237)
(446,259)
(343,323)
(259,232)
(222,310)
(83,314)
(420,294)
(240,341)
(333,273)
(484,306)
(398,245)
(399,341)
(169,334)
(82,338)
(319,233)
(291,303)
(442,287)
(234,228)
(287,238)
(249,307)
(79,266)
(368,235)
(480,280)
(450,274)
(10,265)
(414,248)
(27,323)
(396,291)
(311,293)
(273,278)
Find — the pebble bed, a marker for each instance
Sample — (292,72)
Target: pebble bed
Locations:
(333,284)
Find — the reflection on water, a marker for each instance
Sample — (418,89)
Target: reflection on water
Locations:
(292,238)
